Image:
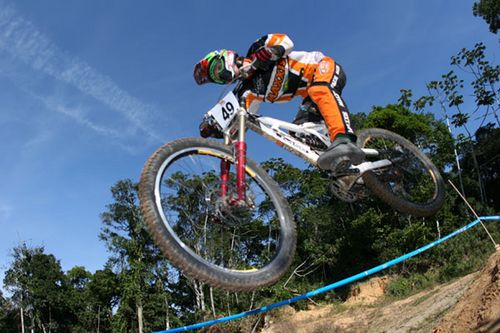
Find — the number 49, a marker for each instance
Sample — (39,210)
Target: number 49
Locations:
(227,113)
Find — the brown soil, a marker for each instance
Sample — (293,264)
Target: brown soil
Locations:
(469,304)
(479,309)
(369,292)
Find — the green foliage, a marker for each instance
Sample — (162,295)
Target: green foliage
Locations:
(485,74)
(488,156)
(403,286)
(415,127)
(476,177)
(78,278)
(427,133)
(39,286)
(134,256)
(405,98)
(489,10)
(448,92)
(9,321)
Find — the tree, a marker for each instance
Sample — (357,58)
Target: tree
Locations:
(134,253)
(427,133)
(485,76)
(489,10)
(85,301)
(487,146)
(103,292)
(449,95)
(9,320)
(77,279)
(39,289)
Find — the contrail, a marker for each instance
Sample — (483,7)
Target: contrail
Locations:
(23,41)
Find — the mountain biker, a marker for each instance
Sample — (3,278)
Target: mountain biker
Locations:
(275,73)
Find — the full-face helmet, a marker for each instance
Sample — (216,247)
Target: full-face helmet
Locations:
(217,67)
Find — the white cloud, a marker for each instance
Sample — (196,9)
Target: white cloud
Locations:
(38,139)
(23,41)
(79,117)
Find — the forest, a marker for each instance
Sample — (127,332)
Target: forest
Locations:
(138,290)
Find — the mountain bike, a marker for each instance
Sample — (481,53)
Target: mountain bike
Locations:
(222,219)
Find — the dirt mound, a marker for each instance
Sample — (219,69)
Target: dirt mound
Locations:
(474,301)
(369,292)
(479,309)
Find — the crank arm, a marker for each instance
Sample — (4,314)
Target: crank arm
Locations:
(367,166)
(356,171)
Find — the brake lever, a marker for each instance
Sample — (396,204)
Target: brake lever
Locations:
(247,69)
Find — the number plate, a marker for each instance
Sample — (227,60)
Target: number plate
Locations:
(224,111)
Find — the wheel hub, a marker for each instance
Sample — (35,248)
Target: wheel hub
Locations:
(228,209)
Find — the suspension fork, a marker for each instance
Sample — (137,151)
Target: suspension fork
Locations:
(240,152)
(240,147)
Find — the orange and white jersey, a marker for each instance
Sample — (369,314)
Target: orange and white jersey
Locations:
(279,42)
(297,70)
(290,73)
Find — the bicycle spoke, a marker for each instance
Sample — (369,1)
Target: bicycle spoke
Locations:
(218,229)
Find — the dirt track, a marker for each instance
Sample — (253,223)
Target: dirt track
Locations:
(479,309)
(469,304)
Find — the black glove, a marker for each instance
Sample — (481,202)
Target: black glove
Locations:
(210,128)
(262,59)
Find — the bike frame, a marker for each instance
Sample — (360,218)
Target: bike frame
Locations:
(277,131)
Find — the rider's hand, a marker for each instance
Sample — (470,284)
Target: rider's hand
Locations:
(263,54)
(246,69)
(262,58)
(209,128)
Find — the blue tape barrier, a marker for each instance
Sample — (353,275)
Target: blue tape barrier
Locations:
(333,285)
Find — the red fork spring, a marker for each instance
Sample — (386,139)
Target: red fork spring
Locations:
(224,177)
(241,155)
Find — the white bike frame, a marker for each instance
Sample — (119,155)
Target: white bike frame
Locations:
(277,131)
(234,120)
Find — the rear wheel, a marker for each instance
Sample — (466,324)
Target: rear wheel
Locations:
(231,244)
(412,183)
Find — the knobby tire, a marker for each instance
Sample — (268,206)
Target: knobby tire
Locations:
(383,191)
(192,265)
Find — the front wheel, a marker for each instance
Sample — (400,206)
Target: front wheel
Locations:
(412,183)
(202,227)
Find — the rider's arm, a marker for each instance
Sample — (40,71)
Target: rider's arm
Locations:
(279,45)
(269,48)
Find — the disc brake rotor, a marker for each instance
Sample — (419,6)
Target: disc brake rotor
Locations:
(228,210)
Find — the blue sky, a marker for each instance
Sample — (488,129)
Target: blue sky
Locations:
(89,89)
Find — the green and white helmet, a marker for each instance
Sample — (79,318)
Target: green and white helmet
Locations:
(216,67)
